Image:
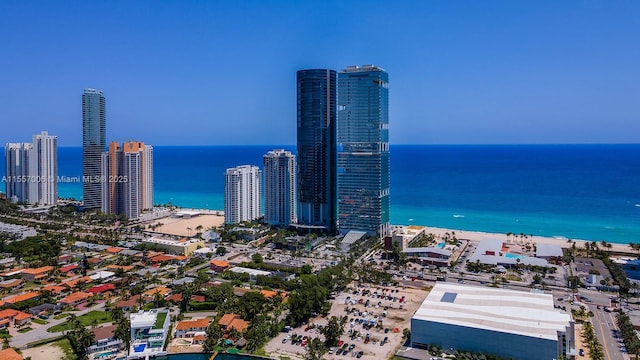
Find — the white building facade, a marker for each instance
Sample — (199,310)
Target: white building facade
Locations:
(32,170)
(280,205)
(242,194)
(503,322)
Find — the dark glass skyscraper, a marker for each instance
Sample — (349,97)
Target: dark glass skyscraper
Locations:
(316,149)
(93,144)
(363,150)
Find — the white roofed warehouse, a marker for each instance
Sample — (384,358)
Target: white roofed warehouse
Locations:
(503,322)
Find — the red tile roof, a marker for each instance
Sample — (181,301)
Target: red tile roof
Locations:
(99,289)
(193,324)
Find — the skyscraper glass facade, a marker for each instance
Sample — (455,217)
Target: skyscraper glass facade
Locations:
(316,148)
(93,144)
(363,150)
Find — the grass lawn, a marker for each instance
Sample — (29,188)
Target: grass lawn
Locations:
(100,317)
(39,321)
(24,330)
(60,316)
(160,320)
(66,348)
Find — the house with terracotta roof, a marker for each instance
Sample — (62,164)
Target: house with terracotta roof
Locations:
(68,268)
(64,259)
(162,258)
(10,354)
(230,322)
(125,268)
(269,294)
(219,265)
(37,273)
(31,295)
(10,284)
(94,261)
(174,298)
(164,291)
(55,289)
(113,250)
(11,315)
(191,328)
(72,283)
(199,339)
(127,305)
(75,299)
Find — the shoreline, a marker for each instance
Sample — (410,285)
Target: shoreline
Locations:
(563,242)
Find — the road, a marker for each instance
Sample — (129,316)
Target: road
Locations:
(604,325)
(40,332)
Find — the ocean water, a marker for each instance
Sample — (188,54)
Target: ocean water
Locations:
(589,192)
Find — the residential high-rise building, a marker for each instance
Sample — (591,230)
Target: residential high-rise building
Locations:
(127,179)
(316,149)
(32,170)
(242,194)
(279,188)
(17,158)
(363,150)
(43,189)
(93,144)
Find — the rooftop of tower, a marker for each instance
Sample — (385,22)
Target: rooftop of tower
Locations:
(356,68)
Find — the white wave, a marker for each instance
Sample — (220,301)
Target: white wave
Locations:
(458,216)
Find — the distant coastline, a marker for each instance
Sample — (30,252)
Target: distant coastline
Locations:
(585,192)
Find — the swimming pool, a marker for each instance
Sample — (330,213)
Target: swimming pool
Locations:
(441,245)
(514,256)
(139,347)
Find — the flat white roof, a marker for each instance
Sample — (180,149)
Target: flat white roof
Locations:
(493,309)
(249,271)
(143,318)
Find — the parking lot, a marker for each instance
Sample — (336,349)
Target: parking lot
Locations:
(376,318)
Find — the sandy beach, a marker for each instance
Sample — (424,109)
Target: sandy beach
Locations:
(515,238)
(187,227)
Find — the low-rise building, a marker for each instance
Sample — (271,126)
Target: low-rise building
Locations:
(219,265)
(75,299)
(429,255)
(11,315)
(191,328)
(230,322)
(37,273)
(104,340)
(31,295)
(253,273)
(503,322)
(177,247)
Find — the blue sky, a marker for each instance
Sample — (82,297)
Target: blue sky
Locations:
(223,72)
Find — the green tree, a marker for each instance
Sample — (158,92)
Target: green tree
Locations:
(221,250)
(315,349)
(333,330)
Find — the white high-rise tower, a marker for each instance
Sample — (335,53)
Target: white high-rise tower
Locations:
(242,194)
(280,205)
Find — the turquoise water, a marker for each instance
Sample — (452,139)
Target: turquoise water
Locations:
(514,256)
(589,192)
(441,245)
